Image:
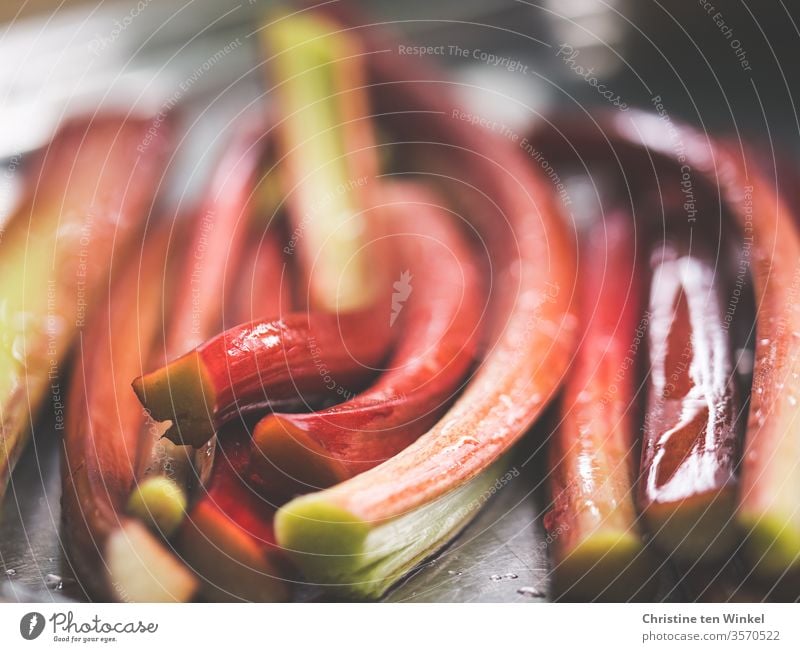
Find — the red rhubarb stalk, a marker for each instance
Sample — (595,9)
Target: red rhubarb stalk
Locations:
(228,537)
(260,288)
(767,508)
(259,365)
(687,489)
(598,547)
(438,309)
(116,556)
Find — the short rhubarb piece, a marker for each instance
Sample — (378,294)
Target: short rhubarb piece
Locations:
(87,198)
(598,549)
(113,555)
(141,569)
(687,488)
(439,306)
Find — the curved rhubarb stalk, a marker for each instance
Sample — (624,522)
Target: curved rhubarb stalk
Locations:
(440,324)
(598,547)
(91,194)
(113,555)
(770,475)
(363,534)
(687,489)
(217,236)
(259,365)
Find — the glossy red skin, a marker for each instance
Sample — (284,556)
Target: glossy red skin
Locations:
(229,493)
(592,457)
(689,448)
(269,362)
(438,342)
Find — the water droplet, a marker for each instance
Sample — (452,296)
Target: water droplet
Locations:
(764,341)
(510,576)
(792,400)
(53,581)
(454,572)
(530,592)
(11,572)
(495,577)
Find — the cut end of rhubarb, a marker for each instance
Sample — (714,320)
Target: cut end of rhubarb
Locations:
(772,544)
(319,534)
(182,393)
(695,529)
(296,454)
(607,566)
(336,549)
(142,570)
(159,502)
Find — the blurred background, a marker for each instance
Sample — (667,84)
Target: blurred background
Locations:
(723,64)
(728,66)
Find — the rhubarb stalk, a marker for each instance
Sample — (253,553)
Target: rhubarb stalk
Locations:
(116,556)
(687,489)
(228,537)
(92,191)
(261,364)
(599,552)
(438,309)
